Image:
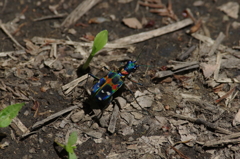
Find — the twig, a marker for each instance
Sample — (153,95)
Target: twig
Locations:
(226,95)
(4,6)
(218,65)
(154,33)
(201,121)
(50,17)
(51,117)
(185,67)
(214,143)
(210,41)
(73,84)
(2,26)
(223,140)
(151,5)
(78,12)
(179,153)
(18,52)
(186,54)
(217,42)
(181,65)
(217,111)
(43,41)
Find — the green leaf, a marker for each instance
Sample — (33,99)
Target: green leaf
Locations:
(8,113)
(72,156)
(69,149)
(72,138)
(100,41)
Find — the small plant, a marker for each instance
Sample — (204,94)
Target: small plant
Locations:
(69,146)
(8,113)
(99,42)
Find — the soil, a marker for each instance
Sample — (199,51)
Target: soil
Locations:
(155,52)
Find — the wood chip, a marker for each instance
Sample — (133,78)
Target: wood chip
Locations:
(113,119)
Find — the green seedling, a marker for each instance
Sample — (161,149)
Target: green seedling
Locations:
(99,42)
(8,113)
(69,146)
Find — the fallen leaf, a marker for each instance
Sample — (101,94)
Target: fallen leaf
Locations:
(236,120)
(231,9)
(132,23)
(208,69)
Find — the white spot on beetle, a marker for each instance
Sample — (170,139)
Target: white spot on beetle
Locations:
(102,91)
(99,98)
(108,93)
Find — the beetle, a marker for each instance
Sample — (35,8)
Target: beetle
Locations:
(102,92)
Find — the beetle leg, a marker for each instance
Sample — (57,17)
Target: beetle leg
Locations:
(134,81)
(132,94)
(106,68)
(95,77)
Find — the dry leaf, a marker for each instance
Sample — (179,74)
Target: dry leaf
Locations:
(236,120)
(231,9)
(208,69)
(132,23)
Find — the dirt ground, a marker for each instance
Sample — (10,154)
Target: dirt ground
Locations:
(190,113)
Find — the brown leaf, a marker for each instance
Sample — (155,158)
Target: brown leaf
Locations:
(132,23)
(208,69)
(231,9)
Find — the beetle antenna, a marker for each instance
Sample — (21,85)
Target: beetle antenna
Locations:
(146,65)
(138,56)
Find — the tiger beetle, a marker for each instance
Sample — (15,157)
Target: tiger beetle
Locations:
(102,92)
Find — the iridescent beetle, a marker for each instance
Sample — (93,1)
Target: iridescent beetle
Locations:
(104,89)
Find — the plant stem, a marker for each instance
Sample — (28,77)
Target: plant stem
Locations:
(86,64)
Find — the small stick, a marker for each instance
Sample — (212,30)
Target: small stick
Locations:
(210,41)
(78,12)
(186,54)
(201,121)
(2,26)
(218,64)
(161,74)
(220,142)
(179,153)
(53,116)
(226,95)
(154,33)
(223,140)
(50,17)
(73,84)
(217,42)
(151,5)
(43,41)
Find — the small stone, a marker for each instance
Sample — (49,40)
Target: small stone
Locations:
(32,150)
(76,117)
